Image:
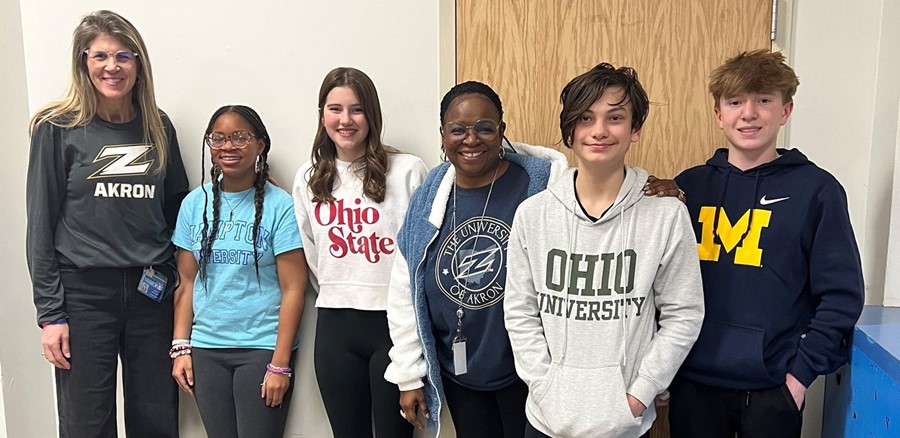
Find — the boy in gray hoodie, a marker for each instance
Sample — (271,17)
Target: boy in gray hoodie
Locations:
(591,261)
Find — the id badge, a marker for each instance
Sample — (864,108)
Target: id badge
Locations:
(152,284)
(459,356)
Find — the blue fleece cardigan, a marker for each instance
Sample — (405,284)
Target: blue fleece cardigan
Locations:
(413,239)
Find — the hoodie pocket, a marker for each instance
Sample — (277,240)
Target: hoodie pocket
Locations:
(730,352)
(580,402)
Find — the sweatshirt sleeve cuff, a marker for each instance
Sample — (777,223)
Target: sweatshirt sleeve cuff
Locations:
(644,390)
(411,385)
(52,318)
(802,373)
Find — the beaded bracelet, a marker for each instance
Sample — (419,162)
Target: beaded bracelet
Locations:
(179,350)
(175,354)
(284,371)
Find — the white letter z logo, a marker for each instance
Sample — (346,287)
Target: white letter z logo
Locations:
(126,162)
(764,201)
(477,263)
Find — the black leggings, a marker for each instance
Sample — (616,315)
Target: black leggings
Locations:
(351,355)
(226,387)
(487,414)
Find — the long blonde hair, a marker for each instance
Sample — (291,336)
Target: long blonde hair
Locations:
(79,106)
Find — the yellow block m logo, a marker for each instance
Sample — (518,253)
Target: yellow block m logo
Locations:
(730,235)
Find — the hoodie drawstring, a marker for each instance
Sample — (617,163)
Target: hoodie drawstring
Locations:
(752,207)
(574,234)
(719,207)
(623,302)
(622,237)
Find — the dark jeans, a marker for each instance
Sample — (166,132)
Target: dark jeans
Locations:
(351,355)
(110,320)
(697,410)
(227,388)
(487,414)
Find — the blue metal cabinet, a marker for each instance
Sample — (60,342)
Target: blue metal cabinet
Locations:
(862,399)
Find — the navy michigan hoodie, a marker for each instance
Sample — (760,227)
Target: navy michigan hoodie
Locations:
(782,277)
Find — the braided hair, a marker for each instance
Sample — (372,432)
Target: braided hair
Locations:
(210,233)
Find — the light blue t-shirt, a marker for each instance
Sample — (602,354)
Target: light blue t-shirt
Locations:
(231,308)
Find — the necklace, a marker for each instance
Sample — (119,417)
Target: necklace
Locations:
(459,310)
(231,209)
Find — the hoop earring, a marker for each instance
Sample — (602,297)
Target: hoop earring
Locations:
(502,151)
(443,154)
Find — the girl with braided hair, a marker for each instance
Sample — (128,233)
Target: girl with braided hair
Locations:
(243,279)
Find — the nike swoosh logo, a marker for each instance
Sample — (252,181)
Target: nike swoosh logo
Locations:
(764,201)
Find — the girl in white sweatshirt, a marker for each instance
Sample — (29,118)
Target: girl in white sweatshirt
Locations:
(350,199)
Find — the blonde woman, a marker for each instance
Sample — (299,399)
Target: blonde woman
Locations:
(105,180)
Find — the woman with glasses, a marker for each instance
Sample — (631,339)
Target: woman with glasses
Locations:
(350,199)
(445,303)
(243,280)
(105,180)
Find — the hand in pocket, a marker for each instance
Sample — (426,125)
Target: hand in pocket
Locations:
(637,408)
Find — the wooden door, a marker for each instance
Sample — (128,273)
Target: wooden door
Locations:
(528,50)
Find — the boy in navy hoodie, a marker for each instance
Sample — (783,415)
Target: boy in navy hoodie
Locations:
(781,269)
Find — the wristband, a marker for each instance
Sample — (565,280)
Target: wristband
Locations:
(54,322)
(284,371)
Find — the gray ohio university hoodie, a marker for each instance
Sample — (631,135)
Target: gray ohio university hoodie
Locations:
(581,302)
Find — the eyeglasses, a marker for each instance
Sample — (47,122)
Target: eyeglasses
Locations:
(485,130)
(238,139)
(121,57)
